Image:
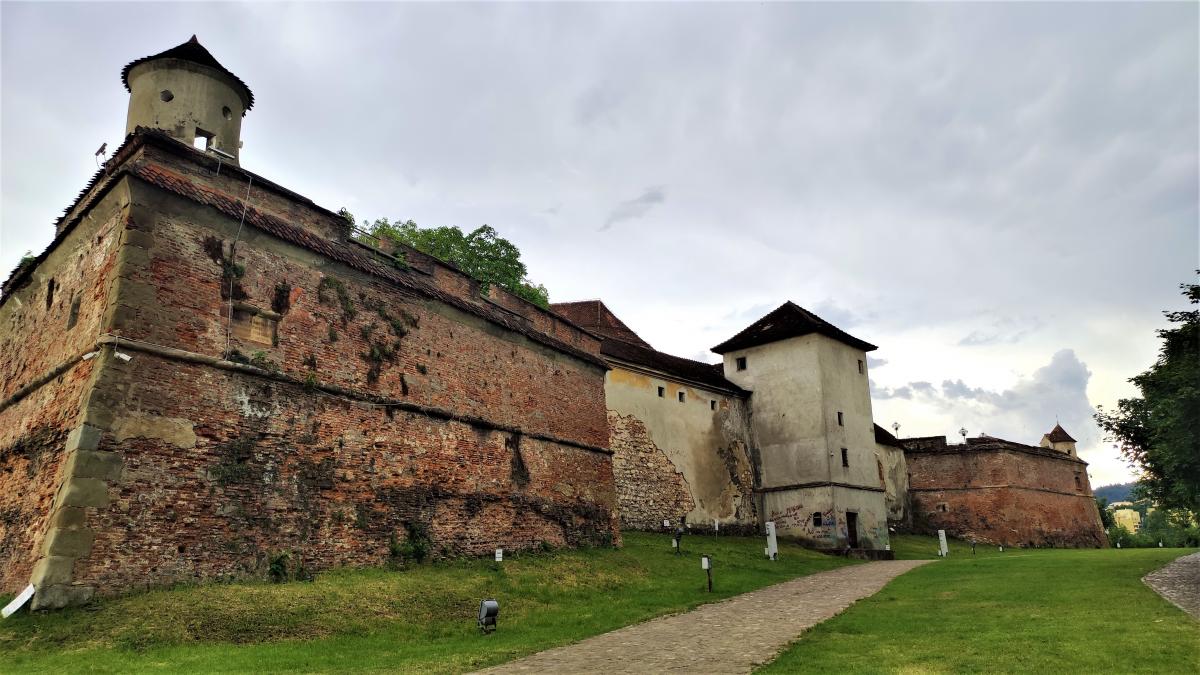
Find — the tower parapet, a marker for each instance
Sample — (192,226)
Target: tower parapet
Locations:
(186,93)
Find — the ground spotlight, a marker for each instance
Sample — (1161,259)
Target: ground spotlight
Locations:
(488,611)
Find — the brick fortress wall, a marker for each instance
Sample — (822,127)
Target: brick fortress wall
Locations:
(1005,497)
(356,402)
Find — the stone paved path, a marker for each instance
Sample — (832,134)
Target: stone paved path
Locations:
(731,636)
(1179,582)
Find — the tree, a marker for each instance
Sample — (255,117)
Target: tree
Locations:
(482,253)
(1159,432)
(1106,516)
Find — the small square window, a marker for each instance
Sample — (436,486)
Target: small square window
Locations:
(712,405)
(741,363)
(861,369)
(845,457)
(682,397)
(817,519)
(841,421)
(203,139)
(662,391)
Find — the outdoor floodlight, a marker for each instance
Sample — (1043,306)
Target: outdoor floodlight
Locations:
(488,611)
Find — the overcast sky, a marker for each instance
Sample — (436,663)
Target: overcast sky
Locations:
(1002,197)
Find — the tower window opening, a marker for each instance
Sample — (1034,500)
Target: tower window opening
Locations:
(166,95)
(741,363)
(662,391)
(682,397)
(861,369)
(50,293)
(841,421)
(203,140)
(817,519)
(712,405)
(226,113)
(845,458)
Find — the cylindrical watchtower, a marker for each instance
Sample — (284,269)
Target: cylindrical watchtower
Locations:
(186,93)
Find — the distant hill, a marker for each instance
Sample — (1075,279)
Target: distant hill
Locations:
(1121,492)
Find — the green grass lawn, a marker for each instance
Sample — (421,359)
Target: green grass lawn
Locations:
(421,619)
(1042,610)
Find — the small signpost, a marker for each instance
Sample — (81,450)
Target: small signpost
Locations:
(706,565)
(943,549)
(499,555)
(772,544)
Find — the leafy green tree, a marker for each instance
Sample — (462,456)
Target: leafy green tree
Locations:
(1106,516)
(482,253)
(1159,432)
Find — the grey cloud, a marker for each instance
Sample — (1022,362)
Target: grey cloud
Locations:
(1002,331)
(873,362)
(922,387)
(884,393)
(1056,391)
(636,207)
(928,166)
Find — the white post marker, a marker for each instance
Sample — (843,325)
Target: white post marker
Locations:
(772,544)
(943,549)
(22,598)
(667,524)
(499,555)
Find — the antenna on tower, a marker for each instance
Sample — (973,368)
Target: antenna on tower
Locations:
(102,155)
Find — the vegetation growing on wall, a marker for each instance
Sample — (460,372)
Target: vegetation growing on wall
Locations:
(482,253)
(331,291)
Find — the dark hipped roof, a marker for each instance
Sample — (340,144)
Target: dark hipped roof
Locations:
(789,320)
(711,375)
(1059,435)
(885,437)
(620,343)
(194,52)
(594,316)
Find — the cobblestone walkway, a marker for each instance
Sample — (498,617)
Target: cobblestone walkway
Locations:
(1179,582)
(731,636)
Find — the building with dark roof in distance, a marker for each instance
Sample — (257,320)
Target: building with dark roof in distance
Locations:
(780,431)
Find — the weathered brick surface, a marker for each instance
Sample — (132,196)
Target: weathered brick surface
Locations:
(1004,497)
(203,470)
(37,337)
(275,468)
(649,487)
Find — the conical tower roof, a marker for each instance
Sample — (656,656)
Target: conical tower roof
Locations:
(193,52)
(1059,435)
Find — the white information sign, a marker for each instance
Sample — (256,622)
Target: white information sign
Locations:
(704,563)
(772,544)
(22,598)
(943,549)
(499,555)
